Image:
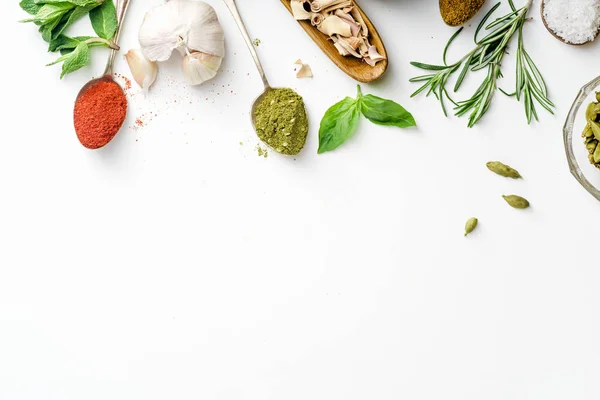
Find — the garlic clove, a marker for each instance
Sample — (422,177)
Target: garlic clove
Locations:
(200,67)
(143,70)
(160,32)
(204,33)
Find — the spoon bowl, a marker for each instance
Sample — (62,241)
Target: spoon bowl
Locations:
(107,77)
(353,67)
(255,104)
(542,4)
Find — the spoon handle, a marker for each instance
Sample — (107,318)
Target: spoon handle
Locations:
(240,23)
(121,6)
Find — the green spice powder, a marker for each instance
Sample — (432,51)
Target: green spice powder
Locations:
(280,121)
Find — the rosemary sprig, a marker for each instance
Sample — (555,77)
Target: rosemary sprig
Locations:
(488,53)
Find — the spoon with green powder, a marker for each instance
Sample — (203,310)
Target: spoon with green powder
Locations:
(278,115)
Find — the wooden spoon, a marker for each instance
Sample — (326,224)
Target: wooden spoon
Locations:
(543,2)
(352,66)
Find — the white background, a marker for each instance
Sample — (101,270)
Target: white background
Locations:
(178,264)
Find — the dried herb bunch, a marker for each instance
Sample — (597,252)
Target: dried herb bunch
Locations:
(488,54)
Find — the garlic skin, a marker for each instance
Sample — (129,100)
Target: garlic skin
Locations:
(200,67)
(186,25)
(143,70)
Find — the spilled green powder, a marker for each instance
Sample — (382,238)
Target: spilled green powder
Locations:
(281,121)
(262,152)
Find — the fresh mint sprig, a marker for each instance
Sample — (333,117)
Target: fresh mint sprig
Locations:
(54,17)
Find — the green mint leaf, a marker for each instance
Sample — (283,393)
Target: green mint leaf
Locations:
(49,13)
(385,112)
(47,30)
(80,3)
(30,7)
(94,42)
(338,124)
(70,18)
(66,42)
(104,20)
(78,58)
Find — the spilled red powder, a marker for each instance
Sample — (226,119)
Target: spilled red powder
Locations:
(142,121)
(126,83)
(99,114)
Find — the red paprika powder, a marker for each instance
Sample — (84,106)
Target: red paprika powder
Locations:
(99,114)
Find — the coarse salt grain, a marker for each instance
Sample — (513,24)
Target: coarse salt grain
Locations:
(575,21)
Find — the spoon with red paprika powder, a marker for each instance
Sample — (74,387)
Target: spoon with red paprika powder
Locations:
(101,105)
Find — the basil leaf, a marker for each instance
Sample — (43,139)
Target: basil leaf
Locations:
(385,112)
(104,20)
(50,13)
(74,60)
(338,124)
(30,7)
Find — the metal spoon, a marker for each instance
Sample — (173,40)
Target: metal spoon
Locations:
(107,76)
(240,23)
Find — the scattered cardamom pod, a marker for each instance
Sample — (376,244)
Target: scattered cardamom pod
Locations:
(503,170)
(471,225)
(516,201)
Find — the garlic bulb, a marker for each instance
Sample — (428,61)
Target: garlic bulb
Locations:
(189,26)
(199,67)
(143,70)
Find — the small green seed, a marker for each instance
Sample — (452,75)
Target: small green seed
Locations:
(503,170)
(591,146)
(471,225)
(597,96)
(516,201)
(587,132)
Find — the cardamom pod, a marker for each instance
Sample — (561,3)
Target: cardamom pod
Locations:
(587,131)
(591,132)
(471,225)
(503,170)
(595,129)
(597,155)
(516,201)
(591,146)
(590,112)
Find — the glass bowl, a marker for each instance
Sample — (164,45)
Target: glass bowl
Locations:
(577,155)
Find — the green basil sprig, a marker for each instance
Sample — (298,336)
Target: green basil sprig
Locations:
(54,17)
(341,120)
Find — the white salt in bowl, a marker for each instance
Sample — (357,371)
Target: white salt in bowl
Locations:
(577,155)
(553,33)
